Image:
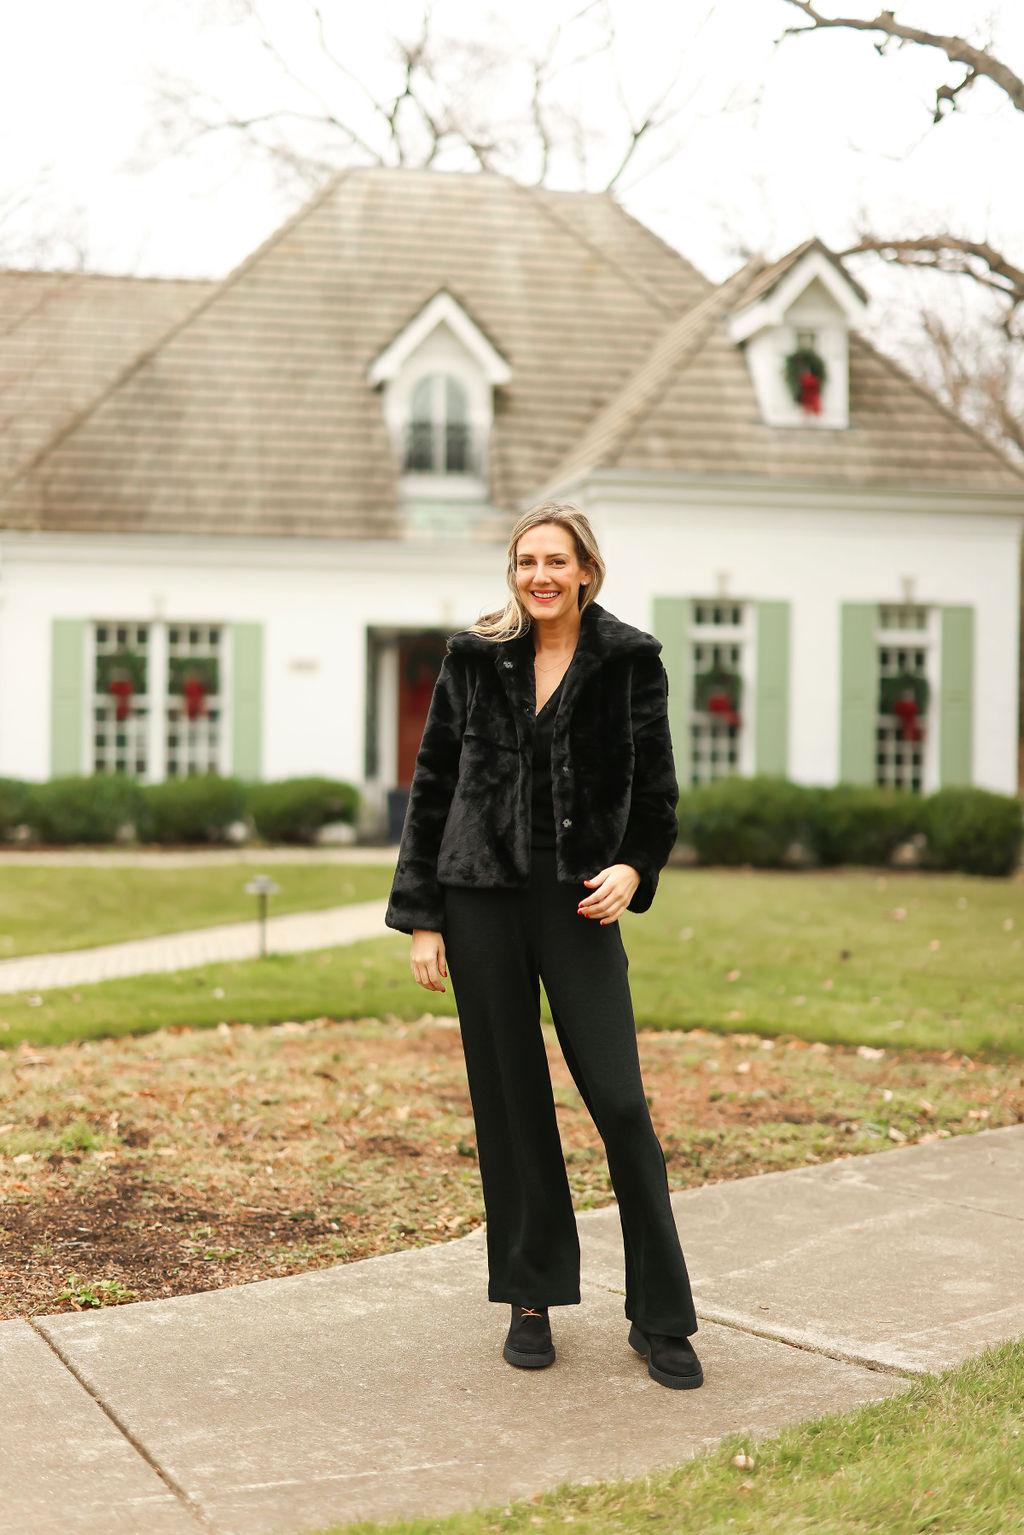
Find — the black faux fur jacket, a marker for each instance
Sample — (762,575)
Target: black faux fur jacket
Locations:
(615,791)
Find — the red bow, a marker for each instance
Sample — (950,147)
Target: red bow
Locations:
(721,703)
(122,689)
(194,690)
(810,393)
(906,709)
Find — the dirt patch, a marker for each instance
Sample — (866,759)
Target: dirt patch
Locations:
(189,1160)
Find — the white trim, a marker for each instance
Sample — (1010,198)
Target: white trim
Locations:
(441,310)
(770,311)
(666,486)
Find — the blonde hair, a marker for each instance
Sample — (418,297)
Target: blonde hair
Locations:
(513,620)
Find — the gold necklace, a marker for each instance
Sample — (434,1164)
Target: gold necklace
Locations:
(554,668)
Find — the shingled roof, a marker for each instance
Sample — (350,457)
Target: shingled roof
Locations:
(254,415)
(65,337)
(693,411)
(245,407)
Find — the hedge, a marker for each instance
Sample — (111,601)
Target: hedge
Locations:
(203,808)
(184,810)
(770,822)
(79,809)
(295,809)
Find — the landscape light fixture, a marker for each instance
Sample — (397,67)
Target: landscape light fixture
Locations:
(261,885)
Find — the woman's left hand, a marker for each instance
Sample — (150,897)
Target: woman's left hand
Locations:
(613,889)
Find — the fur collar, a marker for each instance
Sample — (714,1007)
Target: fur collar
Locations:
(602,635)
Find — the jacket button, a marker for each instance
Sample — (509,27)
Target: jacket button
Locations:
(567,822)
(507,665)
(565,771)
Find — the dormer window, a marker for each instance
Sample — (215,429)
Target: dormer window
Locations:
(437,377)
(794,326)
(439,438)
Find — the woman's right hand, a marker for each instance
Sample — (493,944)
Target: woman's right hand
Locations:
(427,959)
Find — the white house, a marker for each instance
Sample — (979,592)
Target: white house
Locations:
(243,516)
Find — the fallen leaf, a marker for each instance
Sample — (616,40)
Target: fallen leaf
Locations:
(732,975)
(896,1135)
(897,914)
(936,943)
(869,1053)
(745,1462)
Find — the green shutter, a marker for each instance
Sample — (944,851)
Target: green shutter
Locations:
(771,718)
(858,704)
(247,700)
(67,696)
(672,628)
(956,698)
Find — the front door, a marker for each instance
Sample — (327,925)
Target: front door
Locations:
(419,661)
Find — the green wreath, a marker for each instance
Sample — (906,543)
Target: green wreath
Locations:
(206,668)
(127,662)
(804,360)
(892,688)
(718,680)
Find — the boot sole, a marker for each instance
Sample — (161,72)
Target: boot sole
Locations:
(638,1342)
(528,1361)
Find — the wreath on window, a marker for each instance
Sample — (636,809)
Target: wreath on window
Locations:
(194,678)
(121,666)
(122,674)
(719,691)
(906,696)
(805,378)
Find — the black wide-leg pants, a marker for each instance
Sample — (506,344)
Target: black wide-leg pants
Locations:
(500,944)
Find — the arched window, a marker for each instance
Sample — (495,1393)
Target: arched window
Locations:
(439,439)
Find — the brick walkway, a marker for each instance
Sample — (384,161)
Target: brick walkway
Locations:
(291,934)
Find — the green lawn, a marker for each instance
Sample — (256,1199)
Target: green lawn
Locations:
(781,937)
(43,910)
(916,961)
(945,1456)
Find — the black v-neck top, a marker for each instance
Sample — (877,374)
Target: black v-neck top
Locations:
(543,837)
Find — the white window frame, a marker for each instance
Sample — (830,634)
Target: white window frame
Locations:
(926,639)
(741,635)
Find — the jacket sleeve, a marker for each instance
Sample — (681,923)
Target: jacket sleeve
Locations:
(417,900)
(652,828)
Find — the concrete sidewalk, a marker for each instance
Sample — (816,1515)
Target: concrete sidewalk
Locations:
(378,1388)
(292,934)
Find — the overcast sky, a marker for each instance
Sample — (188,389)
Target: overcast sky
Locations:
(773,143)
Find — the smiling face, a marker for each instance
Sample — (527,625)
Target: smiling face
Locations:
(548,573)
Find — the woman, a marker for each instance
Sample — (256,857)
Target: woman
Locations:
(542,806)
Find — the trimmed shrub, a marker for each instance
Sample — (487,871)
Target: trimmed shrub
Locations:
(746,820)
(13,797)
(295,809)
(974,830)
(79,809)
(184,810)
(858,823)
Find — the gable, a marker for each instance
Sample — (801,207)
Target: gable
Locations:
(257,416)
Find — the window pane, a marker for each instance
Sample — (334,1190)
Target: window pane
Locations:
(455,405)
(422,408)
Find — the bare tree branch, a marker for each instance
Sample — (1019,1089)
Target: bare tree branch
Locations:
(950,253)
(977,61)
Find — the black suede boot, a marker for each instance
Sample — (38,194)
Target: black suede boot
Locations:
(670,1361)
(528,1345)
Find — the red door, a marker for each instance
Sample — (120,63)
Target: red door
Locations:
(419,661)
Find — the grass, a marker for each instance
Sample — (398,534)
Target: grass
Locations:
(46,910)
(945,1456)
(926,962)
